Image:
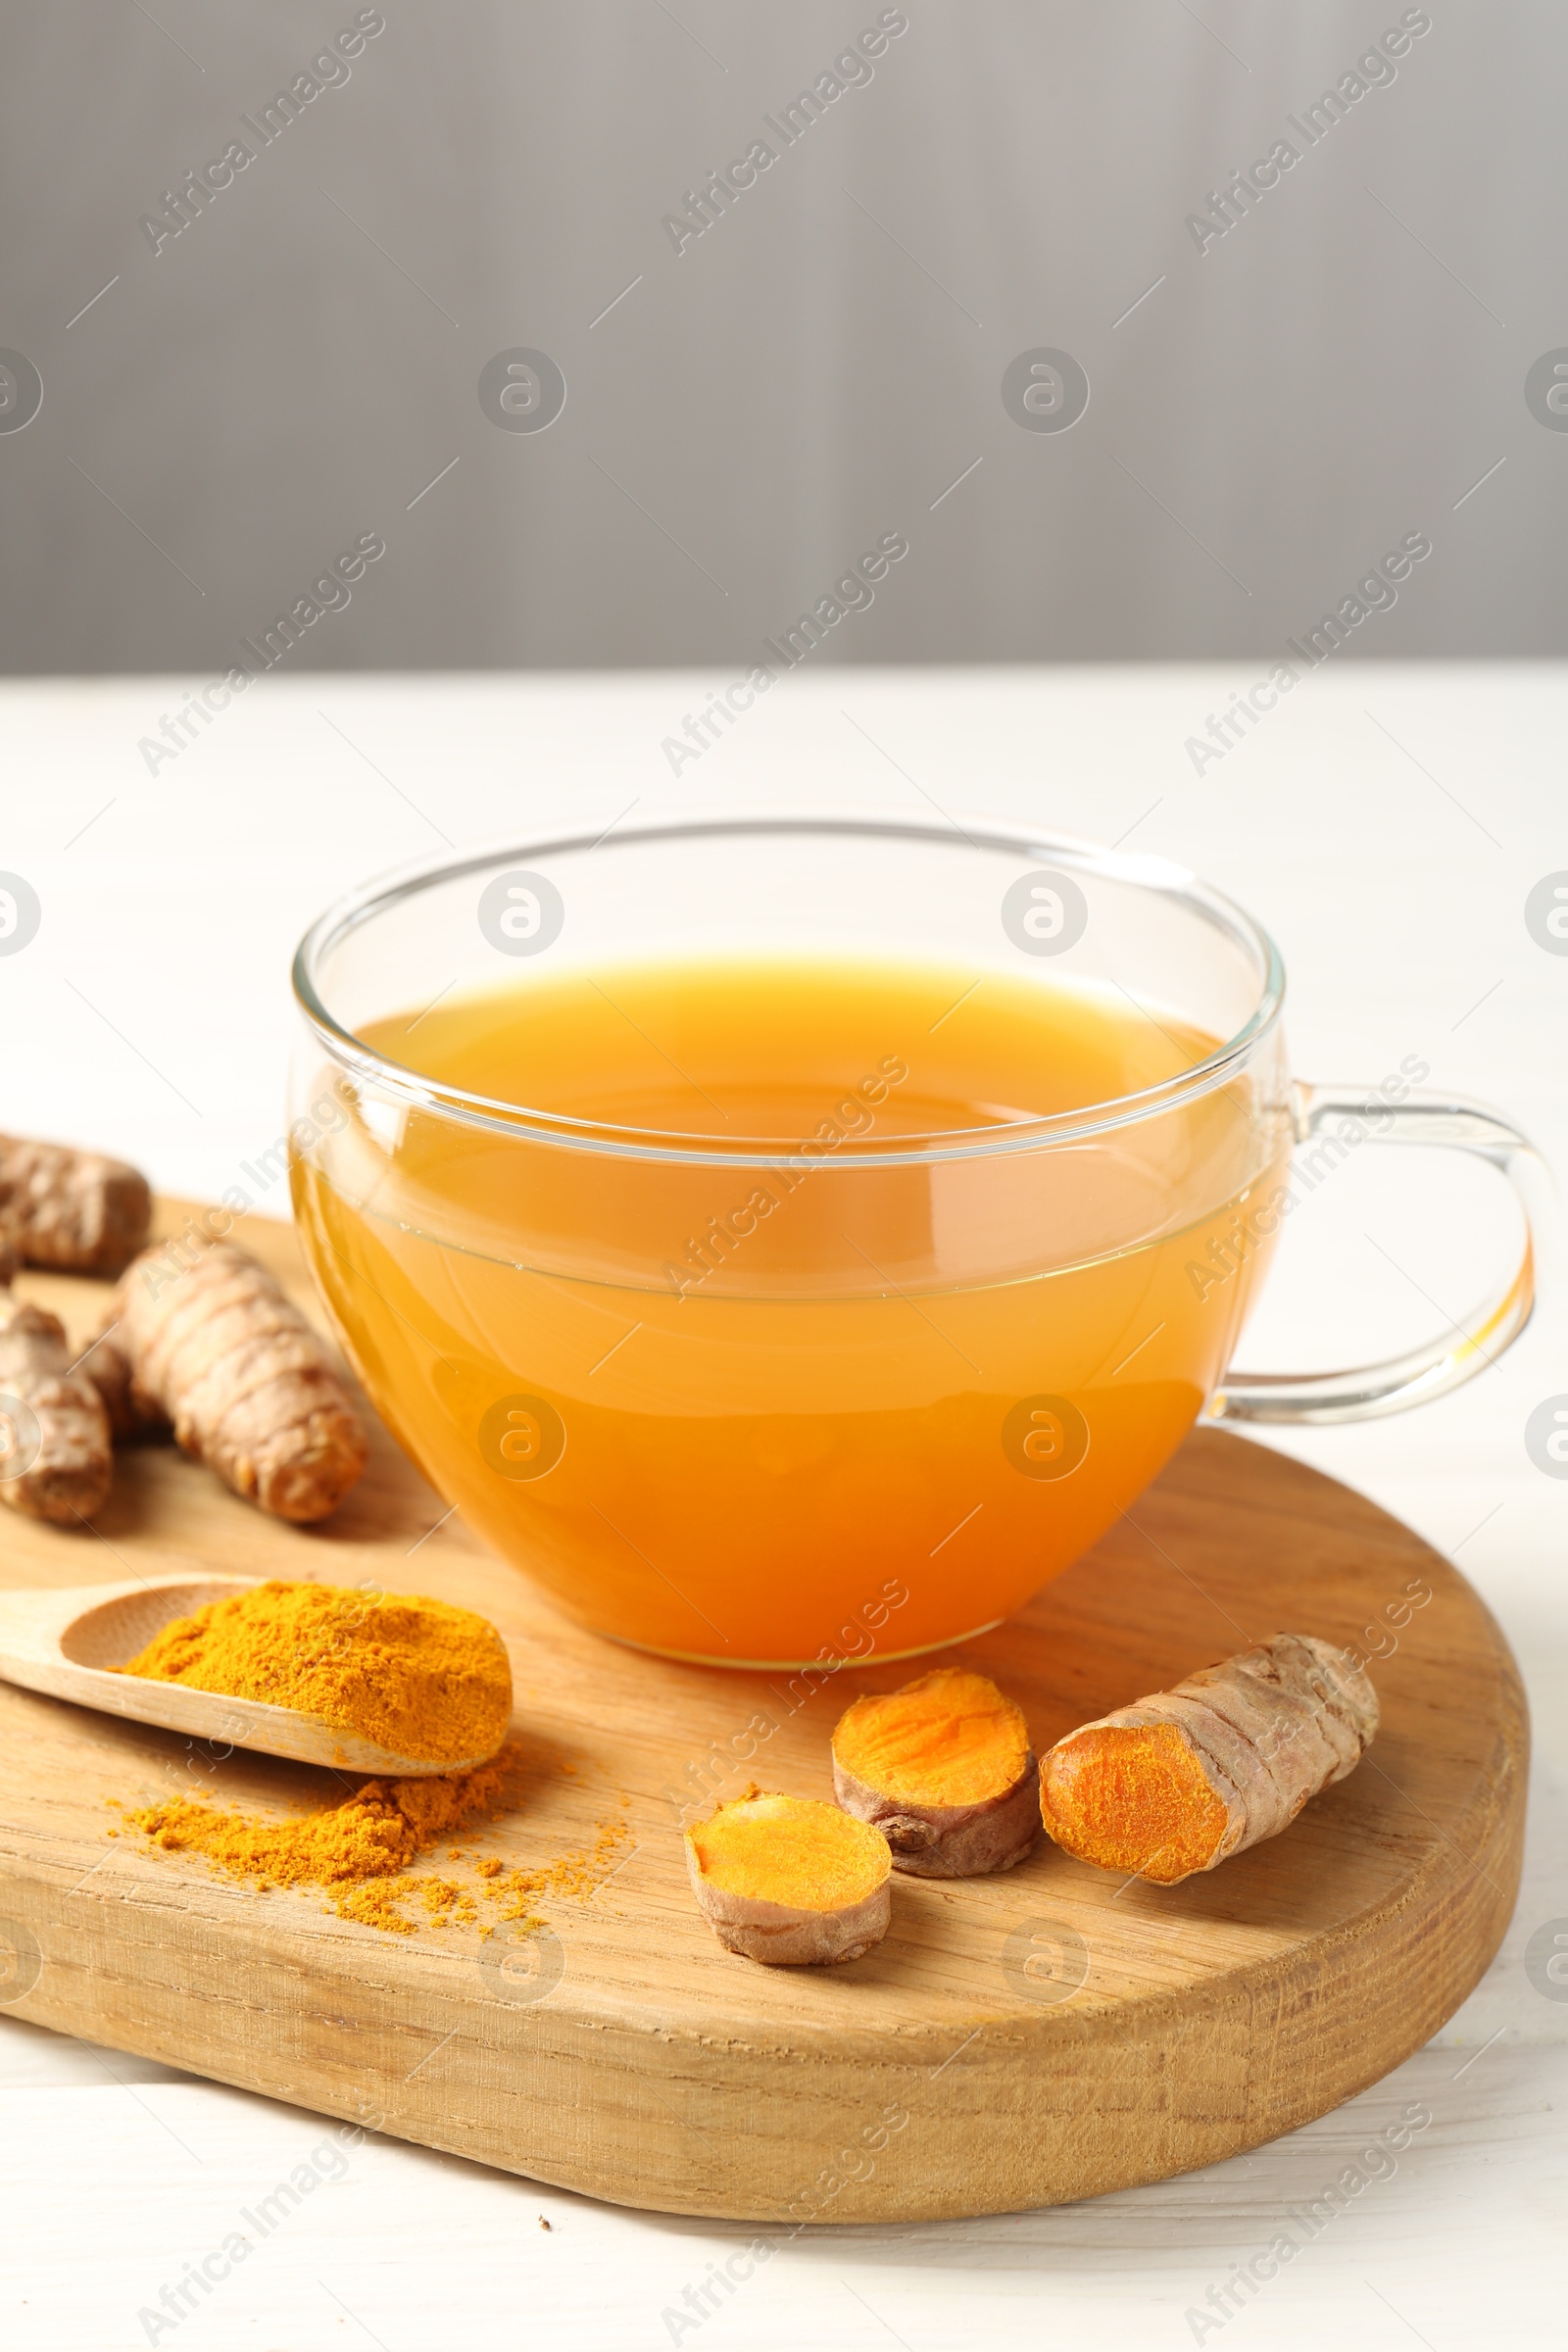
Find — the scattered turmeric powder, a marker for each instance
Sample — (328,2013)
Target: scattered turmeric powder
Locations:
(448,1903)
(1177,1782)
(575,1876)
(361,1852)
(216,1347)
(361,1849)
(424,1680)
(374,1904)
(945,1770)
(790,1880)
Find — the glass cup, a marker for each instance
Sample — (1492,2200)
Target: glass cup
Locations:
(765,1401)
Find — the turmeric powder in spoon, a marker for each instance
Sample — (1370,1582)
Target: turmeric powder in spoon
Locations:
(417,1676)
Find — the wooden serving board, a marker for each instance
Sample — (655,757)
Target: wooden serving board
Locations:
(1045,2035)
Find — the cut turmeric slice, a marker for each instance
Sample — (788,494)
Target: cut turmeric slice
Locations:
(1180,1781)
(945,1770)
(790,1880)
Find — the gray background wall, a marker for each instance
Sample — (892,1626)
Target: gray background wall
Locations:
(816,369)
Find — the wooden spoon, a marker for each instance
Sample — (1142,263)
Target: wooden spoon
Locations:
(66,1642)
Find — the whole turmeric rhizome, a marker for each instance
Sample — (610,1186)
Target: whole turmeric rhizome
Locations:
(205,1347)
(217,1350)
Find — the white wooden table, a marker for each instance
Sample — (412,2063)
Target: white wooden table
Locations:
(1387,823)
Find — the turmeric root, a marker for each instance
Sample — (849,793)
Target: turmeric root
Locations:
(218,1347)
(75,1212)
(55,1456)
(945,1770)
(1180,1781)
(790,1880)
(131,1414)
(10,1259)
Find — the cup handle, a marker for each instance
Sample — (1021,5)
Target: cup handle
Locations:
(1456,1354)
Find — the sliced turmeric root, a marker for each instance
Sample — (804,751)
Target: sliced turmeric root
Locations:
(945,1770)
(1180,1781)
(790,1880)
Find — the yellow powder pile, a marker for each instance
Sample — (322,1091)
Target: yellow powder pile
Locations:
(361,1850)
(356,1847)
(418,1677)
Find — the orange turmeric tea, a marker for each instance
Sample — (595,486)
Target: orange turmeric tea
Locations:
(776,1330)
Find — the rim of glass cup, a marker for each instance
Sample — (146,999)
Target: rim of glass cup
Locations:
(1160,875)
